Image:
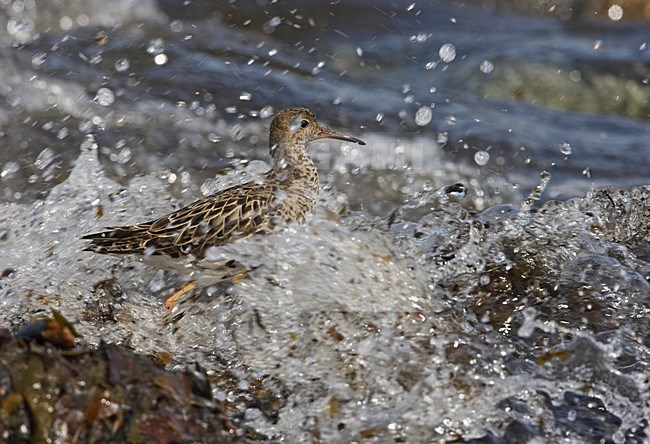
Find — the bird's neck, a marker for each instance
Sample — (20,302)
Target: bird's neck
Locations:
(290,156)
(294,165)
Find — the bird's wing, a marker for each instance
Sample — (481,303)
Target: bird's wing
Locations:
(227,215)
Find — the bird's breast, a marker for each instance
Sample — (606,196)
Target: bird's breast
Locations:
(297,197)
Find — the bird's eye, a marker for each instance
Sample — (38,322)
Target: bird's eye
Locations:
(304,123)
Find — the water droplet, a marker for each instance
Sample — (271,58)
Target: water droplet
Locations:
(423,116)
(256,168)
(20,29)
(124,156)
(66,23)
(565,148)
(571,415)
(122,65)
(44,158)
(214,137)
(96,59)
(101,38)
(379,117)
(536,193)
(208,187)
(237,133)
(295,124)
(62,134)
(105,97)
(481,158)
(619,437)
(269,26)
(529,324)
(39,59)
(156,46)
(486,67)
(316,69)
(429,66)
(575,75)
(420,37)
(266,112)
(85,126)
(359,51)
(160,59)
(245,96)
(615,12)
(176,26)
(10,169)
(447,52)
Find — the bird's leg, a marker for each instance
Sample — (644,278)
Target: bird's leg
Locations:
(238,277)
(171,301)
(220,275)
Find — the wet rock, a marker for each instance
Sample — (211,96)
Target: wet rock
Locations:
(105,395)
(587,91)
(55,330)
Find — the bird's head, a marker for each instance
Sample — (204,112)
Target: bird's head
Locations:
(295,127)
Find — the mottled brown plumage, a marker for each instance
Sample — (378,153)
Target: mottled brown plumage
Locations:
(287,193)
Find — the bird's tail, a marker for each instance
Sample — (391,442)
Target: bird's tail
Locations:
(118,240)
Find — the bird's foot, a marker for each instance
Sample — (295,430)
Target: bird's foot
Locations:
(171,301)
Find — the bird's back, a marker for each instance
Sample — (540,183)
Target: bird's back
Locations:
(230,214)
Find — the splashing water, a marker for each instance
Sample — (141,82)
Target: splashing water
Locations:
(429,320)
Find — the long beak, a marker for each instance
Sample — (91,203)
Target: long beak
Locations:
(326,133)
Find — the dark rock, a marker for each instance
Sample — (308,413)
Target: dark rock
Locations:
(105,395)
